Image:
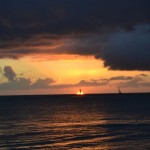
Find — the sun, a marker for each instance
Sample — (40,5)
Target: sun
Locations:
(80,92)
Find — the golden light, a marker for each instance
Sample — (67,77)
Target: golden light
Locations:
(80,92)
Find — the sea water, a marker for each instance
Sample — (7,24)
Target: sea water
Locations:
(71,122)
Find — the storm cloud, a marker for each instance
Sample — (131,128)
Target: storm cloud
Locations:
(14,82)
(129,50)
(9,73)
(117,31)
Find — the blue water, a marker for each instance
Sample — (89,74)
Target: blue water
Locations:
(64,122)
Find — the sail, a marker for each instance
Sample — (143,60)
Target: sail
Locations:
(119,91)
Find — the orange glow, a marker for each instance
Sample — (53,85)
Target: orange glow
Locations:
(69,70)
(80,92)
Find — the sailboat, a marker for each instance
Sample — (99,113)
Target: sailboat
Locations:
(119,91)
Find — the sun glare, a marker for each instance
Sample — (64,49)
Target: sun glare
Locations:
(80,92)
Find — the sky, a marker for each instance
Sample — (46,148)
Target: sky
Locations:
(60,46)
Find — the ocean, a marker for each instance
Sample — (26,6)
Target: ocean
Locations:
(71,122)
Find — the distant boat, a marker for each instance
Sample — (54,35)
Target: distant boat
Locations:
(119,91)
(80,92)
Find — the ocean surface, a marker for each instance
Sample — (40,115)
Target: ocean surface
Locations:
(71,122)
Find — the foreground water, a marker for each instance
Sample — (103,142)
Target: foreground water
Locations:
(64,122)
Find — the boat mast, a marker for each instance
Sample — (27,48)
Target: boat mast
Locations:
(119,90)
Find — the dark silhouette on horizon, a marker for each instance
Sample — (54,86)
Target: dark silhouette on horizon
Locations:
(119,91)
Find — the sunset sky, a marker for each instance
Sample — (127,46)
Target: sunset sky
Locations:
(60,46)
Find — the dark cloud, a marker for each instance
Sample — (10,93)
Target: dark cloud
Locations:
(9,73)
(144,75)
(128,50)
(91,83)
(120,78)
(116,78)
(116,31)
(137,81)
(19,84)
(127,81)
(15,82)
(31,17)
(26,83)
(43,83)
(132,83)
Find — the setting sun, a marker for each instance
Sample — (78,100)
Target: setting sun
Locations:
(80,92)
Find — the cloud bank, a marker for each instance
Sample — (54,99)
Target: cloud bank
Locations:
(21,83)
(13,82)
(117,31)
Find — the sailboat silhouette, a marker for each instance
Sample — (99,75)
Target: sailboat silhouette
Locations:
(119,91)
